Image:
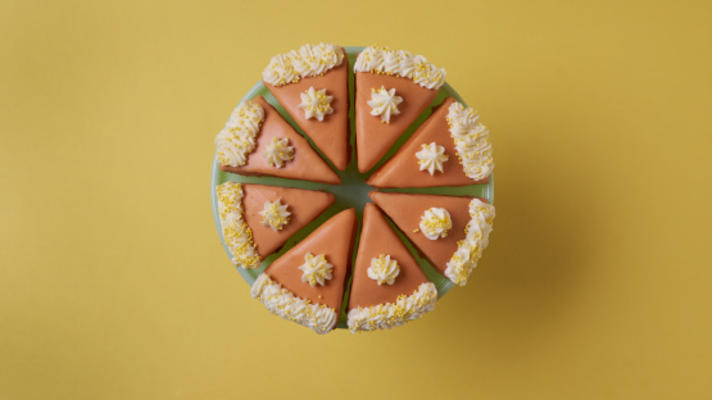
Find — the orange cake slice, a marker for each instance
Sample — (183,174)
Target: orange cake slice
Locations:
(450,231)
(257,219)
(393,87)
(451,148)
(388,287)
(257,141)
(312,85)
(306,284)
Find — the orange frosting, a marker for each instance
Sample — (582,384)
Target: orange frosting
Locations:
(334,238)
(403,171)
(406,209)
(306,164)
(304,206)
(373,137)
(377,237)
(330,135)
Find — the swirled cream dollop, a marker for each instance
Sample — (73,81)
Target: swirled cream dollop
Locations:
(383,269)
(388,315)
(435,223)
(308,60)
(316,270)
(469,250)
(316,103)
(471,138)
(384,102)
(431,157)
(384,60)
(275,215)
(236,233)
(278,152)
(239,136)
(284,303)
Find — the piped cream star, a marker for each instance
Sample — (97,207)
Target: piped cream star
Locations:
(278,152)
(316,103)
(383,269)
(316,270)
(384,103)
(435,223)
(431,157)
(275,215)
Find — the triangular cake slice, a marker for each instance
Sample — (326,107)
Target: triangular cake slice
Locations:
(393,87)
(257,219)
(312,85)
(275,213)
(388,287)
(257,141)
(306,284)
(453,239)
(450,148)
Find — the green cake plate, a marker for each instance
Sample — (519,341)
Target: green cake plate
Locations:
(353,192)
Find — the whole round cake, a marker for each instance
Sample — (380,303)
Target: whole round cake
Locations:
(352,187)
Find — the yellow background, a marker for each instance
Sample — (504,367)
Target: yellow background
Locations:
(113,284)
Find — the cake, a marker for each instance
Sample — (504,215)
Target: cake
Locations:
(332,227)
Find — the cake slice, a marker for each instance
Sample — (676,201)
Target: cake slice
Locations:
(312,85)
(257,219)
(257,141)
(393,87)
(450,231)
(388,287)
(306,284)
(448,149)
